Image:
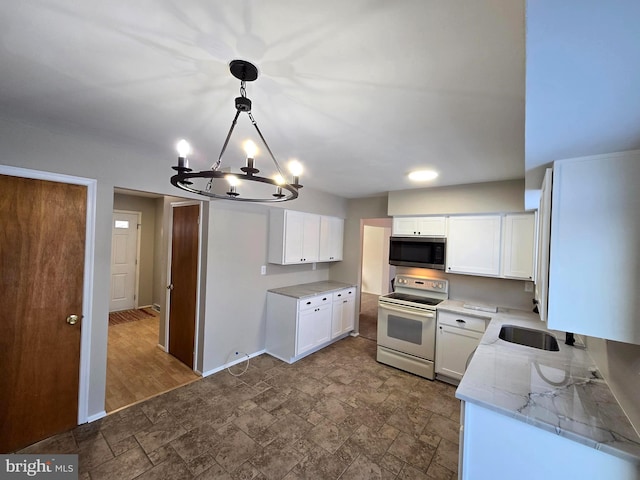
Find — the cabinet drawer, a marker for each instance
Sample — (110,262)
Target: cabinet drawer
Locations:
(312,302)
(467,322)
(344,294)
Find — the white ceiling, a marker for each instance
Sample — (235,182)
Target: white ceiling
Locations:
(361,92)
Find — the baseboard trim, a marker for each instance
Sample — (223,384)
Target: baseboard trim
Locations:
(97,416)
(231,364)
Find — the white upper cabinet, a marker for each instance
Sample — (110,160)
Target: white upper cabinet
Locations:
(299,237)
(594,266)
(419,226)
(473,245)
(294,237)
(331,238)
(518,246)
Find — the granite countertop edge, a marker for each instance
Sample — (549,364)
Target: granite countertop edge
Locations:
(498,395)
(304,290)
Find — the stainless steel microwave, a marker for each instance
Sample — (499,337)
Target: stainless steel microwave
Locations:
(424,252)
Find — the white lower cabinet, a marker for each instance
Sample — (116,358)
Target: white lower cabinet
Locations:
(343,312)
(314,325)
(500,447)
(456,339)
(298,327)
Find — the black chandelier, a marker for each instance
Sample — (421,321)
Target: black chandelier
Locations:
(245,72)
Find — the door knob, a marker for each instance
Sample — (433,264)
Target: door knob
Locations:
(72,319)
(170,287)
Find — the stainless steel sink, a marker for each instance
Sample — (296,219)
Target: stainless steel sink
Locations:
(529,337)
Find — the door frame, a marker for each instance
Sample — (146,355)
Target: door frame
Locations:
(138,235)
(87,290)
(167,308)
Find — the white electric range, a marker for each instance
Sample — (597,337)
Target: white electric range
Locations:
(407,324)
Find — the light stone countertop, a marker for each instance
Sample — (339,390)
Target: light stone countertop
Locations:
(561,392)
(310,289)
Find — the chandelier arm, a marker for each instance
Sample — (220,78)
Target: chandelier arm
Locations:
(226,142)
(255,124)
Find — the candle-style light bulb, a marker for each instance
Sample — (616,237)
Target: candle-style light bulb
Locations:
(232,180)
(233,183)
(279,179)
(184,149)
(250,148)
(295,167)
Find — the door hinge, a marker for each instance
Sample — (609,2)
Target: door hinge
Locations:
(138,226)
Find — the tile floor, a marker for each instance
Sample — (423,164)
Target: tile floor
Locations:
(334,414)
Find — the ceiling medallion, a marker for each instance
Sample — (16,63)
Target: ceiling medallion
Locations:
(245,72)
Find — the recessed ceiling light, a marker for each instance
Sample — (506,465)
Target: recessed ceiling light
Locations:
(422,175)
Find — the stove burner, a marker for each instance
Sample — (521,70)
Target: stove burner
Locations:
(413,298)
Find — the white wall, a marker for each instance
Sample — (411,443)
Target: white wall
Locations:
(490,197)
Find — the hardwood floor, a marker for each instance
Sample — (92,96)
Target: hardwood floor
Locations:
(137,369)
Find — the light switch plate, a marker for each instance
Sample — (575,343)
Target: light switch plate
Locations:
(263,270)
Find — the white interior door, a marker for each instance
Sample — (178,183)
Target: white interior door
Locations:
(124,260)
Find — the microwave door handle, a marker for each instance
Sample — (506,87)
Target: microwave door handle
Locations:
(408,310)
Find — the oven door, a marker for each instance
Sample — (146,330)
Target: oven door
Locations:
(408,330)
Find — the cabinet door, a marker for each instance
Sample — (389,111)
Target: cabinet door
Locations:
(348,314)
(544,234)
(453,348)
(419,226)
(343,316)
(404,226)
(331,238)
(518,246)
(473,245)
(431,226)
(306,330)
(311,238)
(301,237)
(322,324)
(336,319)
(293,237)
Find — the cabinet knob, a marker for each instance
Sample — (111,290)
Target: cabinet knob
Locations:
(459,320)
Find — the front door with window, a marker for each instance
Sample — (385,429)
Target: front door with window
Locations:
(124,262)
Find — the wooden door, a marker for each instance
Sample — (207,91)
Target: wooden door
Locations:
(184,282)
(124,261)
(42,243)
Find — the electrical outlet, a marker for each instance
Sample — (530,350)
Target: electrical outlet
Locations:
(528,286)
(263,270)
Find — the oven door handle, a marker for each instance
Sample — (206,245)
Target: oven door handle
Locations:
(413,311)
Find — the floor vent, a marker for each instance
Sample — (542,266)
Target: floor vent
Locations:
(156,307)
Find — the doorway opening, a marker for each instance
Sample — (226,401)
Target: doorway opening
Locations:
(376,273)
(138,363)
